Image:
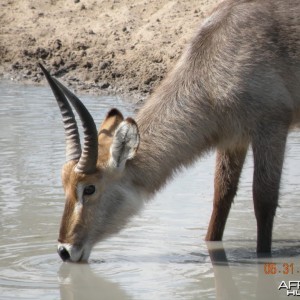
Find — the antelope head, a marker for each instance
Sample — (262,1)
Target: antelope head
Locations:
(99,198)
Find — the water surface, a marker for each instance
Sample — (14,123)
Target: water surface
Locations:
(162,253)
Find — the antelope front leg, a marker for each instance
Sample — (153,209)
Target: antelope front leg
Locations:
(268,152)
(228,169)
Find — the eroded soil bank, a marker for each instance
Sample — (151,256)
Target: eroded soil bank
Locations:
(103,47)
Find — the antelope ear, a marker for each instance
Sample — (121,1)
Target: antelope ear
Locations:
(125,144)
(106,133)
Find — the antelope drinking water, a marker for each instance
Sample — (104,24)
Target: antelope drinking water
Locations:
(237,84)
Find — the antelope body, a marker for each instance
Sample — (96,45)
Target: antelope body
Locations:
(236,84)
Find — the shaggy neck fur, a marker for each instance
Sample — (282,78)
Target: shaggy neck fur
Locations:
(170,136)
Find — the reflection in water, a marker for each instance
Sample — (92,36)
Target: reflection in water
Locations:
(224,278)
(227,288)
(161,255)
(79,282)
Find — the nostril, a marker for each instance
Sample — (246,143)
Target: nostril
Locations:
(63,253)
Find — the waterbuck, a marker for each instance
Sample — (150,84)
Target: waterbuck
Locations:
(237,83)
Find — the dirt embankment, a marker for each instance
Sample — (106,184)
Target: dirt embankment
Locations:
(119,47)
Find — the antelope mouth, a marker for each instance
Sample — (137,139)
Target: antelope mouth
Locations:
(69,253)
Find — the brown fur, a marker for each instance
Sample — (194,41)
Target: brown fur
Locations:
(75,225)
(228,169)
(106,133)
(236,84)
(69,177)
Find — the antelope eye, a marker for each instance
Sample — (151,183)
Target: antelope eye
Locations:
(89,190)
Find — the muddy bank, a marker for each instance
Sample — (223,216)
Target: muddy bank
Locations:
(103,47)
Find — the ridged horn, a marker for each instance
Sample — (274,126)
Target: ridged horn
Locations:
(73,147)
(88,160)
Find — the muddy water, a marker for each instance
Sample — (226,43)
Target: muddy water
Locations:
(161,255)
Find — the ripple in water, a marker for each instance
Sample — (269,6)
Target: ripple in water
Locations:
(161,255)
(29,266)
